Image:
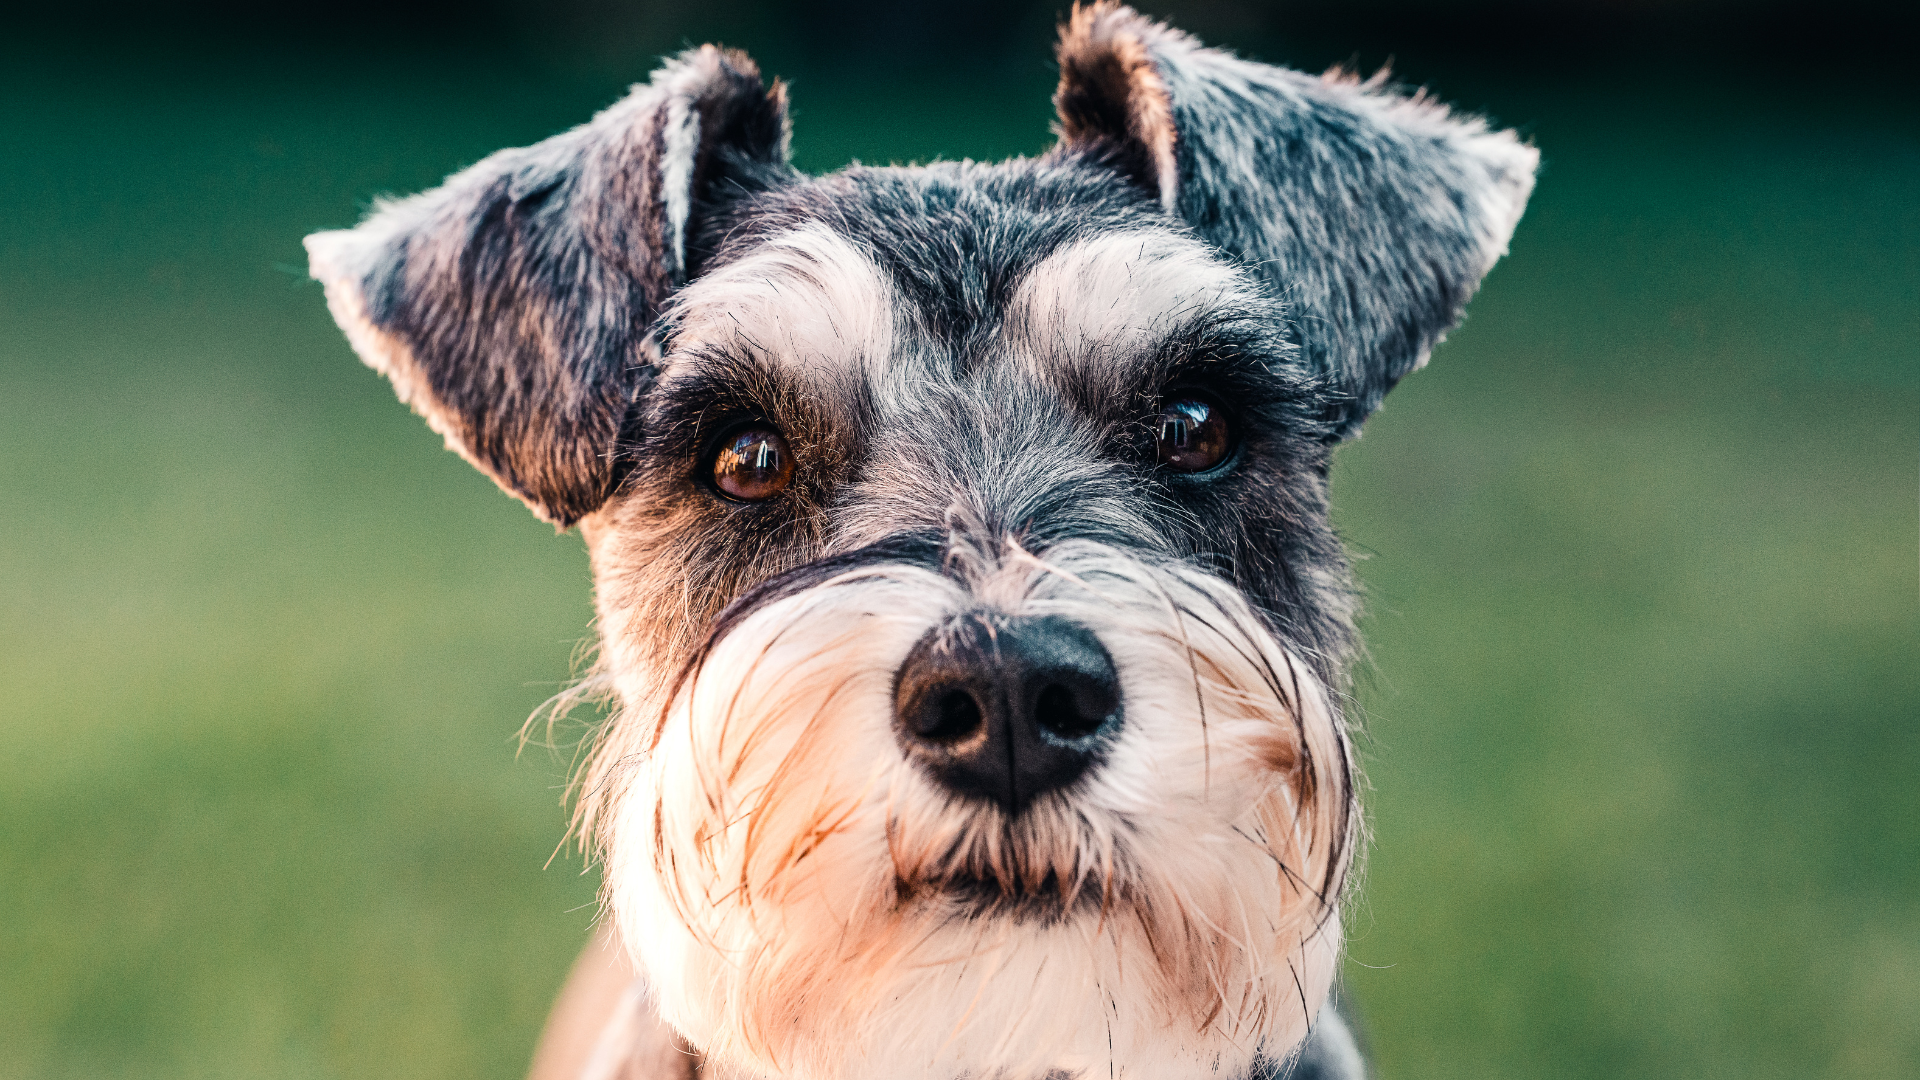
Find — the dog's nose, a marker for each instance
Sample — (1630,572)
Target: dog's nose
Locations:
(1007,708)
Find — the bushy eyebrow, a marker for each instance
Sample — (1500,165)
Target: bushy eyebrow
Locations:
(1118,316)
(807,295)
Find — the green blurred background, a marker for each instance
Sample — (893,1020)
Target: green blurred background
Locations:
(1641,547)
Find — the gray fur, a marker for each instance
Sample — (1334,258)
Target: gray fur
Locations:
(976,411)
(1372,215)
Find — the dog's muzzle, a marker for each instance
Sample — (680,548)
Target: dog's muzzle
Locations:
(1006,709)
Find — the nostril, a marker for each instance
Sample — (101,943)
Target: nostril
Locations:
(1007,708)
(954,717)
(1058,713)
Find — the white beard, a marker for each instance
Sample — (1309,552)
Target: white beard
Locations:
(805,902)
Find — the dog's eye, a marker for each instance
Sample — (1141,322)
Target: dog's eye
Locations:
(753,463)
(1192,432)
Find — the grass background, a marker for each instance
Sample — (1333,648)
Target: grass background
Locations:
(1640,545)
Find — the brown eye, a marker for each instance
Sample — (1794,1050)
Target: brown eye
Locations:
(752,463)
(1192,432)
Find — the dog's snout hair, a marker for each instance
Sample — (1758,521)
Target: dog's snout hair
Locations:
(1204,852)
(966,589)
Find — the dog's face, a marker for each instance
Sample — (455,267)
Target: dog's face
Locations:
(960,535)
(1000,679)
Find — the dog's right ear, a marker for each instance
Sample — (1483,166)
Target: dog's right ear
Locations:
(510,306)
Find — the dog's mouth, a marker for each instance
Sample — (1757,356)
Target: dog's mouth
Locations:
(973,896)
(1055,861)
(1020,885)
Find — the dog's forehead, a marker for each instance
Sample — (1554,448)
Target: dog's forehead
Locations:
(932,271)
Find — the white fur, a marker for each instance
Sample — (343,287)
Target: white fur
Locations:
(1116,295)
(767,820)
(807,297)
(681,137)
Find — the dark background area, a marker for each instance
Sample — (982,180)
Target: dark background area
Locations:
(1849,38)
(1640,545)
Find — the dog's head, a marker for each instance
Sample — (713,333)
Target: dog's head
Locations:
(960,534)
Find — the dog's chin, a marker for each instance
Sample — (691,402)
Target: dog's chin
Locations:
(996,983)
(964,975)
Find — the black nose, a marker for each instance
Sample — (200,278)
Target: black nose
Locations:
(1007,708)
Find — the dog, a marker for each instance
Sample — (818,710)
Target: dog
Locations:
(966,595)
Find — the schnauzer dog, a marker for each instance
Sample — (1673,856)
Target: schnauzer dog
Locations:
(966,592)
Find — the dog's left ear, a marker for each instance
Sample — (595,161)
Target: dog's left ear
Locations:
(1371,214)
(510,306)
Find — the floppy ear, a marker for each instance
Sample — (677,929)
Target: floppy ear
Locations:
(1372,214)
(510,305)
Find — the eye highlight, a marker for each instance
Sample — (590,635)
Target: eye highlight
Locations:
(1191,432)
(752,463)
